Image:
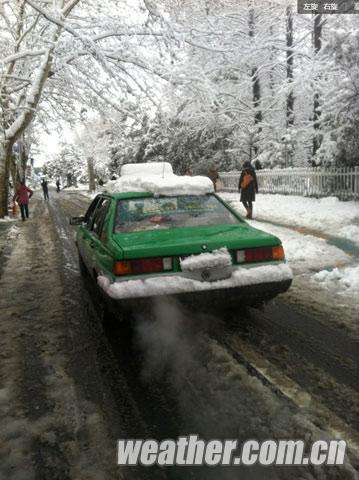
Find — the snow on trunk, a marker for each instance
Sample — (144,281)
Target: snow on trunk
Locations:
(217,258)
(171,285)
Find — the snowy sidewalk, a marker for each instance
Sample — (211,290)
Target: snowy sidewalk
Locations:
(321,242)
(327,215)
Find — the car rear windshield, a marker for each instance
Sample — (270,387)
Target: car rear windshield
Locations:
(139,214)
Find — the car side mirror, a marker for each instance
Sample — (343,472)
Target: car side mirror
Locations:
(77,220)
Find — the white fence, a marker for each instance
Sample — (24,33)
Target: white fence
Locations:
(310,182)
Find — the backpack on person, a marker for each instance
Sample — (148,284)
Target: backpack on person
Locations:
(246,180)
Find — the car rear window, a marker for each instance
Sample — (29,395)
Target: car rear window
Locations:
(139,214)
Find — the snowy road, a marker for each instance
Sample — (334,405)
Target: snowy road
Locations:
(75,387)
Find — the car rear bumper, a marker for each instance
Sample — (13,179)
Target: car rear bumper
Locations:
(244,287)
(208,301)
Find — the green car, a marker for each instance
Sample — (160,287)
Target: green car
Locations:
(141,245)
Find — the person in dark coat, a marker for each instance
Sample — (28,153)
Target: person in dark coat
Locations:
(58,185)
(248,187)
(213,175)
(45,189)
(22,196)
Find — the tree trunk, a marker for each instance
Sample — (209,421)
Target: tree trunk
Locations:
(317,40)
(272,52)
(14,173)
(5,159)
(256,88)
(290,53)
(91,174)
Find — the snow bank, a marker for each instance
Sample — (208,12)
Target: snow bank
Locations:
(154,168)
(170,285)
(170,185)
(344,280)
(328,215)
(217,258)
(306,253)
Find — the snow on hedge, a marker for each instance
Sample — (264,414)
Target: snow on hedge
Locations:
(170,285)
(154,168)
(169,185)
(217,258)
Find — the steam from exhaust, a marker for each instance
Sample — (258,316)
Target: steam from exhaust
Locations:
(164,340)
(215,396)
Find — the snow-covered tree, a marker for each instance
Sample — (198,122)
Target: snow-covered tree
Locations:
(340,98)
(235,78)
(58,55)
(199,82)
(28,43)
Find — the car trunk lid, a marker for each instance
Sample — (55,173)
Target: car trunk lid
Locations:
(191,240)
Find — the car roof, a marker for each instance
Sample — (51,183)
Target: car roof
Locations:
(125,195)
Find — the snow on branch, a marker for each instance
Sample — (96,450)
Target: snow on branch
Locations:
(21,55)
(32,98)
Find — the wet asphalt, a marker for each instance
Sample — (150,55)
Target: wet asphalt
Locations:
(106,361)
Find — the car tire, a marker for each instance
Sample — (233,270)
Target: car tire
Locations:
(83,269)
(104,313)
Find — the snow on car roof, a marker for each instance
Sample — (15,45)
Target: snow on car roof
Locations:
(150,168)
(158,178)
(169,185)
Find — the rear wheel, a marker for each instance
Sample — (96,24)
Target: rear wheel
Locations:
(83,269)
(98,299)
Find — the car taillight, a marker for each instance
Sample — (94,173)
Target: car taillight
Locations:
(260,254)
(278,253)
(142,265)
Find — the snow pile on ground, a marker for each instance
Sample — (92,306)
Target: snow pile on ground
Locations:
(306,253)
(341,279)
(150,168)
(217,258)
(7,219)
(170,285)
(170,185)
(8,233)
(328,215)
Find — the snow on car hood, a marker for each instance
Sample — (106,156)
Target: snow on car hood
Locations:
(169,184)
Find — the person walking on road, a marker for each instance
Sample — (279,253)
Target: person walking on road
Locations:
(248,187)
(22,197)
(58,186)
(45,189)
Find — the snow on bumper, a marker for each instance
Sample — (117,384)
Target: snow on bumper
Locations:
(176,284)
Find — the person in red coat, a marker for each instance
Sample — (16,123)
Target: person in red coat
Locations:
(22,197)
